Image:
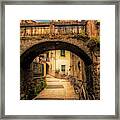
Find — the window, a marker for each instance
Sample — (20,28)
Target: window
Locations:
(62,52)
(63,68)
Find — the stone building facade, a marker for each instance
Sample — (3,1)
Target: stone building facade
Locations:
(59,62)
(77,67)
(93,28)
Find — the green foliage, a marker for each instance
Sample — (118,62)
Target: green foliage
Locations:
(94,44)
(96,39)
(82,33)
(40,86)
(81,36)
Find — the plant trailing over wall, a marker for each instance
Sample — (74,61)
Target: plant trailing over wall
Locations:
(81,36)
(34,88)
(39,86)
(94,44)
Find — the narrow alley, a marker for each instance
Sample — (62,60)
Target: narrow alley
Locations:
(57,89)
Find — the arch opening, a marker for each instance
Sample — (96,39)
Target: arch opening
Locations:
(28,56)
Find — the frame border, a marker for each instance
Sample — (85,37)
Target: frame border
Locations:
(69,2)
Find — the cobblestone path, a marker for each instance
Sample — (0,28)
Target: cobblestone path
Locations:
(57,89)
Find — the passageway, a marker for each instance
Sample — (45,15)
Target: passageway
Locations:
(57,89)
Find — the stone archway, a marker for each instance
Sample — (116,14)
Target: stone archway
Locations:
(27,57)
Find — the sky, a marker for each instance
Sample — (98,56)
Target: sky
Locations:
(42,20)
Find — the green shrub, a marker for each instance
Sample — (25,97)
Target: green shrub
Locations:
(40,86)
